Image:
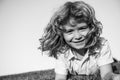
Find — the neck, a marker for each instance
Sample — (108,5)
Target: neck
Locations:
(81,52)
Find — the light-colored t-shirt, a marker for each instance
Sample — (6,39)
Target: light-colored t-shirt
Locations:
(67,62)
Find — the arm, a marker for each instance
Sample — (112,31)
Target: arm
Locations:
(105,61)
(106,72)
(60,77)
(60,69)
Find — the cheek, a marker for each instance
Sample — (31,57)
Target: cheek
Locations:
(67,37)
(85,33)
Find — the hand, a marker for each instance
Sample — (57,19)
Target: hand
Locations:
(116,76)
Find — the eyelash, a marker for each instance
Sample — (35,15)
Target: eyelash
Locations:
(83,28)
(69,31)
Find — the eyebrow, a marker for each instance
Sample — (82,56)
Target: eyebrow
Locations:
(71,27)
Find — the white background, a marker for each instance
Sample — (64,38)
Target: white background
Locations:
(22,23)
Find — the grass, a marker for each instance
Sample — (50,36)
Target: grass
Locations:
(50,75)
(36,75)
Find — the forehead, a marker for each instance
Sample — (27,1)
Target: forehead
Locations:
(78,25)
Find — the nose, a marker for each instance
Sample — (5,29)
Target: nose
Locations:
(77,35)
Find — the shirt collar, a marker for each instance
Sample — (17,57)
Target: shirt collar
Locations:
(69,55)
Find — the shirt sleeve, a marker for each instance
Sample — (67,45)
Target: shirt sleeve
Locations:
(105,54)
(60,67)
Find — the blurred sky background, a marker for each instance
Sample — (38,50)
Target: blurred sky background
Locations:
(22,23)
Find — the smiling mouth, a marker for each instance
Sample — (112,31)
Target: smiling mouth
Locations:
(79,41)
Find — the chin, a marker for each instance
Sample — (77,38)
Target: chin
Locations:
(79,47)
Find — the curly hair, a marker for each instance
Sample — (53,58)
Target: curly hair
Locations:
(52,39)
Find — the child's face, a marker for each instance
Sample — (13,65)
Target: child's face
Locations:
(75,36)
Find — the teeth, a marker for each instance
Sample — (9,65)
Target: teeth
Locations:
(79,41)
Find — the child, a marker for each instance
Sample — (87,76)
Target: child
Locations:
(73,37)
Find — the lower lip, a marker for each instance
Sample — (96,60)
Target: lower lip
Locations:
(79,44)
(80,41)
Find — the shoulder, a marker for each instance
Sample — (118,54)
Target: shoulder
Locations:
(105,46)
(101,45)
(104,41)
(60,65)
(105,55)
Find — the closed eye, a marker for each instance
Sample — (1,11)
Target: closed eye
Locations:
(82,28)
(69,31)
